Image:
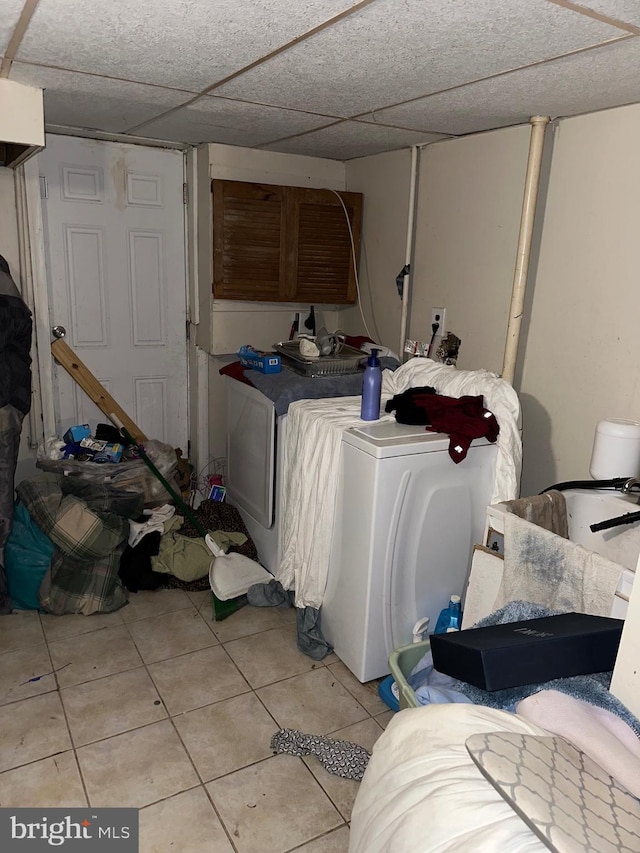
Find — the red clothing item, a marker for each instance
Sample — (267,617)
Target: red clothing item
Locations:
(461,418)
(236,371)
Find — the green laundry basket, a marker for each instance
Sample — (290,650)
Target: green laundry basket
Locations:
(401,662)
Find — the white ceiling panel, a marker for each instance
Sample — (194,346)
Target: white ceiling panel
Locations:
(349,139)
(583,83)
(186,44)
(83,100)
(232,122)
(391,51)
(627,11)
(9,14)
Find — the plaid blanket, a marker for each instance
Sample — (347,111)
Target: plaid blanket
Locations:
(88,524)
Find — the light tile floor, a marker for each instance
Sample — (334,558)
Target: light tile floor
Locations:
(161,708)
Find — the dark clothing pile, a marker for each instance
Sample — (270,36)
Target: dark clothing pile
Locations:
(15,344)
(15,402)
(461,418)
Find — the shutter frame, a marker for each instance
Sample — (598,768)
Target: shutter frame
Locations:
(274,243)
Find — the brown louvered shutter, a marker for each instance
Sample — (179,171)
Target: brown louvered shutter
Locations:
(324,257)
(284,244)
(248,241)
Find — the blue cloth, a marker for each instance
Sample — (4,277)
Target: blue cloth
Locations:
(432,687)
(590,688)
(27,556)
(287,386)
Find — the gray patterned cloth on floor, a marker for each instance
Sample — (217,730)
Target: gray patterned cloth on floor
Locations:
(337,756)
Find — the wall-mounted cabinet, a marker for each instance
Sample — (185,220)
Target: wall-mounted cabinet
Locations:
(275,243)
(21,122)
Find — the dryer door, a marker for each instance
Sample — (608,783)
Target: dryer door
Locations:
(251,434)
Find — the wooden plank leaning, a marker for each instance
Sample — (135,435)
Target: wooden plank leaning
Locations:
(66,357)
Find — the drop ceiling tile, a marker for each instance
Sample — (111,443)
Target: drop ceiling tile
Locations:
(557,88)
(390,52)
(627,11)
(232,122)
(8,19)
(99,103)
(349,139)
(185,44)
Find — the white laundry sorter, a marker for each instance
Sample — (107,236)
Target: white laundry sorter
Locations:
(406,520)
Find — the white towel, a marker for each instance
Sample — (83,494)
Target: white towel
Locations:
(499,398)
(310,484)
(312,463)
(155,521)
(553,572)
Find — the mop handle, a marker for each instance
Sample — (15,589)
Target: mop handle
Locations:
(179,502)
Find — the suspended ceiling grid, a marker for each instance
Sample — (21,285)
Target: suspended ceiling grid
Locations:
(327,78)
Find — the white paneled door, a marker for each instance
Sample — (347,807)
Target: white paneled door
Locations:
(114,235)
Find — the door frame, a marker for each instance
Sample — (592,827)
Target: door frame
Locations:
(34,272)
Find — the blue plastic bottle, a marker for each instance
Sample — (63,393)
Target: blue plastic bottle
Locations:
(371,388)
(450,617)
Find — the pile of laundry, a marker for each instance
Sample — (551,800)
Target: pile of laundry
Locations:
(80,546)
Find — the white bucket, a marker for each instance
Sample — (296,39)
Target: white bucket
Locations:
(616,449)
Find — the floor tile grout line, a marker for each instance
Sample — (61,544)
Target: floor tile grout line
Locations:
(73,746)
(36,760)
(189,606)
(171,717)
(150,663)
(44,675)
(202,782)
(317,838)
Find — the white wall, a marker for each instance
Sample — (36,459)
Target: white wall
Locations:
(384,181)
(469,203)
(580,346)
(581,354)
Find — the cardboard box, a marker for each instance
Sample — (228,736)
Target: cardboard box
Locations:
(76,433)
(528,652)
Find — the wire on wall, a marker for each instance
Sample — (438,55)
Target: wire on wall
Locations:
(355,265)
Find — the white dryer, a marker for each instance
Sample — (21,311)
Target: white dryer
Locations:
(255,437)
(407,518)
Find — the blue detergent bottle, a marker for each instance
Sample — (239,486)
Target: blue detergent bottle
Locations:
(371,388)
(451,617)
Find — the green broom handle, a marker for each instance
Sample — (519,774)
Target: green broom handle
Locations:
(180,503)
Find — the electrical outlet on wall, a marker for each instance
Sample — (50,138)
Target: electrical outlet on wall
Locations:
(439,316)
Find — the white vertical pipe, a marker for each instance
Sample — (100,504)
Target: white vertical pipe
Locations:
(531,184)
(41,323)
(409,248)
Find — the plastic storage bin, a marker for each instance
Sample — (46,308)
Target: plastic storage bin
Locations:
(401,662)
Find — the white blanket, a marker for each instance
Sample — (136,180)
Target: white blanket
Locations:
(422,792)
(312,463)
(499,398)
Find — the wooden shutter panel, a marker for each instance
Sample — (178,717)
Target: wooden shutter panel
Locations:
(323,254)
(249,249)
(284,244)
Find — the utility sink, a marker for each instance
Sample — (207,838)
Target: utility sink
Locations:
(584,507)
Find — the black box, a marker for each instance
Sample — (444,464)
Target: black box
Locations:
(528,652)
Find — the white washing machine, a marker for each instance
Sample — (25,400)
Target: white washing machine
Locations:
(407,518)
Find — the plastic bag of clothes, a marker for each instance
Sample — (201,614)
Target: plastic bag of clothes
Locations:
(128,476)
